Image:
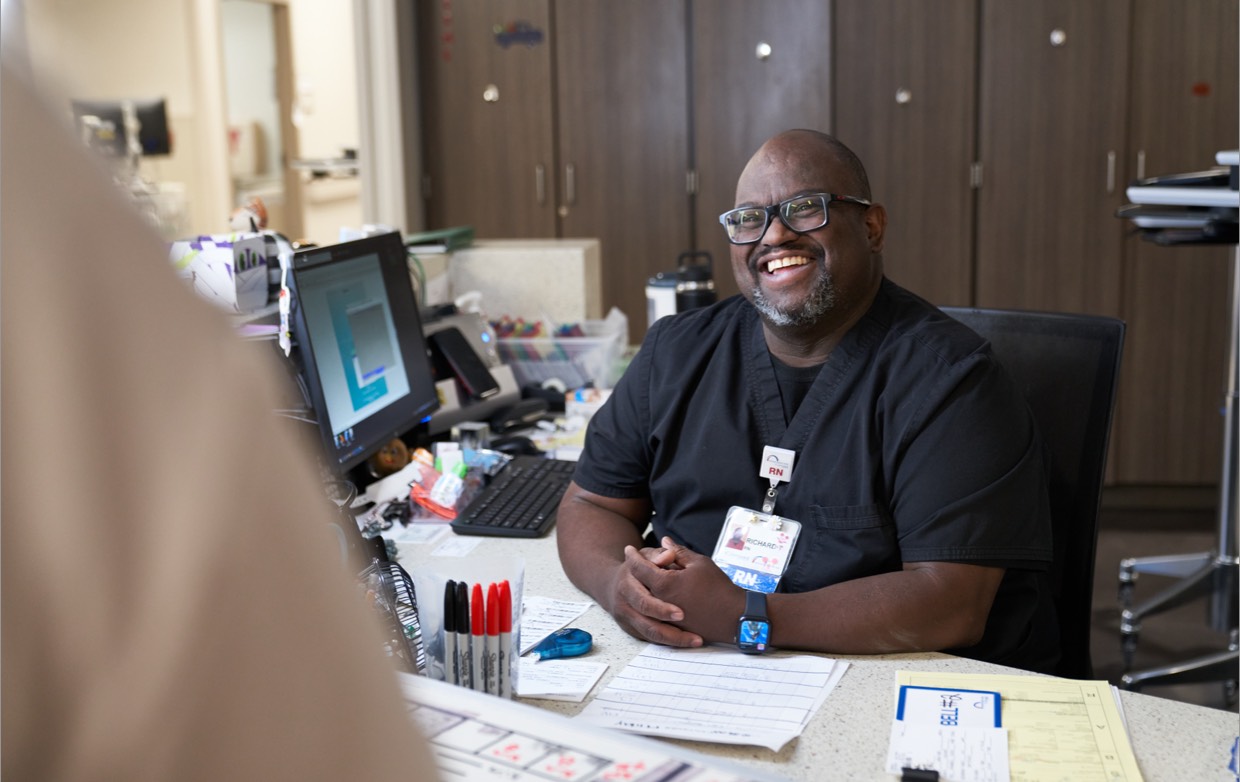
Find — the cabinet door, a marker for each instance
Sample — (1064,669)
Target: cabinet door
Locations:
(905,103)
(742,95)
(1184,110)
(623,119)
(487,116)
(1051,132)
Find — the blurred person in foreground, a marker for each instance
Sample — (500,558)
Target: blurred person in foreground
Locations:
(173,608)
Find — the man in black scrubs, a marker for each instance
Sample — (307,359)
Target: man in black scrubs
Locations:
(910,464)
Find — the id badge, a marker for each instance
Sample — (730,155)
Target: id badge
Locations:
(754,548)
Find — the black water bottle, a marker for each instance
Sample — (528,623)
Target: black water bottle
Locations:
(695,282)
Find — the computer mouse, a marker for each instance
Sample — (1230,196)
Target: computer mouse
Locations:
(515,444)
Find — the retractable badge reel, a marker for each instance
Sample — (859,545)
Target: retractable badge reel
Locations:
(755,545)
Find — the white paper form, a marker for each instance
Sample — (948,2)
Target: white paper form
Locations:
(958,754)
(558,680)
(716,694)
(952,730)
(542,616)
(1057,728)
(476,737)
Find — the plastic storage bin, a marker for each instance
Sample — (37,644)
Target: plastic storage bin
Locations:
(573,361)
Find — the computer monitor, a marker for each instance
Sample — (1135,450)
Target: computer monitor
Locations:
(362,352)
(102,124)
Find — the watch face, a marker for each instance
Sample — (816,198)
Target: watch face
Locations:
(753,634)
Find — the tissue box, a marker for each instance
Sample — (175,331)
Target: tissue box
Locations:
(228,270)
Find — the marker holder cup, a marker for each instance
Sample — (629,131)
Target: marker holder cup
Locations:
(430,578)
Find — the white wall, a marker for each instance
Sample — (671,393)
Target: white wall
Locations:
(325,59)
(121,49)
(247,30)
(107,49)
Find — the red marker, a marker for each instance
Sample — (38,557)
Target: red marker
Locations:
(503,661)
(492,667)
(477,641)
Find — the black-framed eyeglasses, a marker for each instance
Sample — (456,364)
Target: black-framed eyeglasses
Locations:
(802,214)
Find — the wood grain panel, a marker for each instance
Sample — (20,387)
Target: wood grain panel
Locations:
(1047,237)
(918,147)
(1184,109)
(623,119)
(739,100)
(481,156)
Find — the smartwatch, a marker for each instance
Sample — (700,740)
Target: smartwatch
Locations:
(755,629)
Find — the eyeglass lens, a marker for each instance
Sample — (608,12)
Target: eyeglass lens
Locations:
(802,214)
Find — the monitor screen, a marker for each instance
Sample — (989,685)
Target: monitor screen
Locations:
(102,124)
(362,352)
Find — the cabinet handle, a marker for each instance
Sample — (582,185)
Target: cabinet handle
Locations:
(1141,164)
(540,184)
(1110,171)
(570,184)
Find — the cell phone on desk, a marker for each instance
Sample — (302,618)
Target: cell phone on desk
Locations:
(453,354)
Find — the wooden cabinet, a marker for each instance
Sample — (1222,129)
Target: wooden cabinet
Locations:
(758,68)
(905,103)
(487,120)
(586,130)
(1175,299)
(623,122)
(1051,120)
(562,119)
(1001,136)
(1069,97)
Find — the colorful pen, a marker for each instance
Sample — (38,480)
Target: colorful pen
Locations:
(450,673)
(492,661)
(462,635)
(503,662)
(478,641)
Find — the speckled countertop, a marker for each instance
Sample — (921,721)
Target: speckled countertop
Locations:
(848,737)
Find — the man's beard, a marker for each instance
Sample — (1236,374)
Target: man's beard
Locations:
(821,301)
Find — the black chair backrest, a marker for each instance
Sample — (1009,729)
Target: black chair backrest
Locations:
(1068,368)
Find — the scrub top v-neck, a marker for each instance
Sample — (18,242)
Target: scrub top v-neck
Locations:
(912,445)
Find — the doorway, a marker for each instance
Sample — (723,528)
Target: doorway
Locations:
(259,94)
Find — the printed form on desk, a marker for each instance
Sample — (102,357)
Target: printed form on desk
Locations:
(716,694)
(1055,729)
(476,737)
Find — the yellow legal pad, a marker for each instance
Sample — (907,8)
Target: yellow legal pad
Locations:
(1057,728)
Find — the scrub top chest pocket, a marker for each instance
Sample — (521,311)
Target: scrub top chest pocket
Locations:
(841,543)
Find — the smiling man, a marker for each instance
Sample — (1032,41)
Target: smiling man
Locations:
(887,470)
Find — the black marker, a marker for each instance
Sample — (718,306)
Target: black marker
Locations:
(463,660)
(450,671)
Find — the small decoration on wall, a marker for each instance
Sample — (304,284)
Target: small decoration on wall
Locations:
(517,33)
(1201,89)
(447,36)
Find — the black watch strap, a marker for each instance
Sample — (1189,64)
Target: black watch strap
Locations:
(755,604)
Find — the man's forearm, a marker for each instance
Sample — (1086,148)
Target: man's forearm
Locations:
(921,608)
(924,607)
(591,542)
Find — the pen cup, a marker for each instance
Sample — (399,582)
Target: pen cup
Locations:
(481,654)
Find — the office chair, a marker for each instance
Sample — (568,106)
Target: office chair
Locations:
(1068,367)
(1214,573)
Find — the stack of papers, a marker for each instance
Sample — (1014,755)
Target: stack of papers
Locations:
(716,694)
(558,680)
(475,736)
(1047,728)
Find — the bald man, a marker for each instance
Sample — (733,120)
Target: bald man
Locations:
(916,486)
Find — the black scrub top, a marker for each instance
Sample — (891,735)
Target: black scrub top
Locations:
(912,445)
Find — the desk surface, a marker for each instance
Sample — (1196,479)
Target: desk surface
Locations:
(848,737)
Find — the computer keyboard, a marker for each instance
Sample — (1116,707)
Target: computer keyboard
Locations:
(519,502)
